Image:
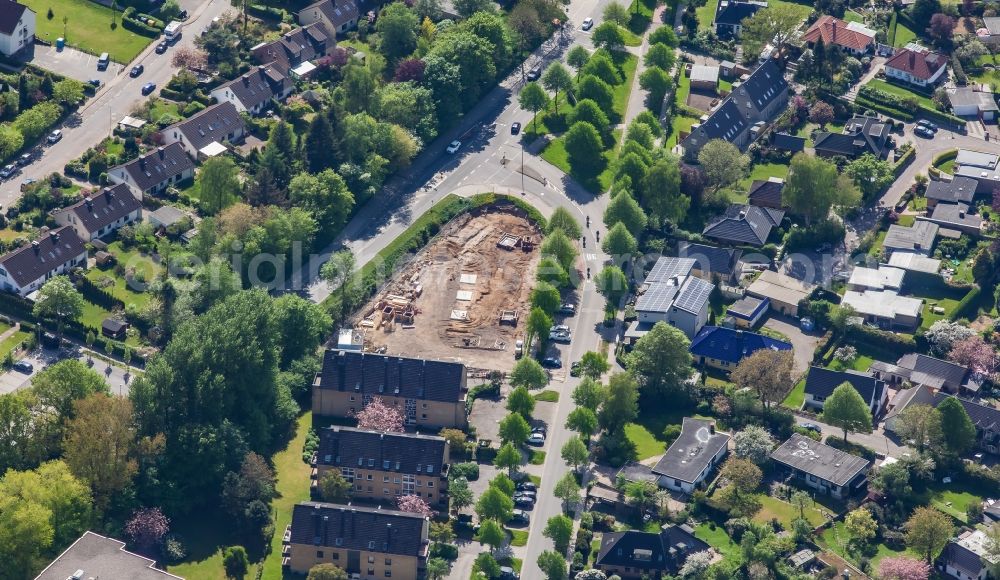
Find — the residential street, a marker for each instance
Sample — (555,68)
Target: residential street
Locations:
(95,120)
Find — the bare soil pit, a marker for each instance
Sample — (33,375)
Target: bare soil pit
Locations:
(448,302)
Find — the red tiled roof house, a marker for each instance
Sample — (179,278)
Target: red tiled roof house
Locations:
(921,68)
(834,31)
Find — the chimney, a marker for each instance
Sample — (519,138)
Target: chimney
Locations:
(388,536)
(343,518)
(159,151)
(142,163)
(961,213)
(34,244)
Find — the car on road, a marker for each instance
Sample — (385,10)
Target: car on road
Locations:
(535,73)
(515,128)
(811,427)
(567,309)
(526,486)
(136,70)
(23,366)
(552,362)
(588,23)
(536,439)
(54,137)
(8,171)
(96,83)
(924,132)
(161,47)
(454,146)
(520,517)
(148,88)
(925,123)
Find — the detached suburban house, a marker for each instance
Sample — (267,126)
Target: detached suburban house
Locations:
(957,217)
(429,393)
(55,252)
(101,213)
(851,37)
(204,134)
(967,557)
(712,262)
(17,27)
(336,16)
(724,348)
(927,371)
(886,308)
(744,225)
(821,382)
(979,165)
(918,238)
(918,67)
(861,135)
(671,294)
(94,556)
(730,15)
(253,91)
(766,193)
(375,542)
(632,554)
(154,172)
(296,51)
(958,190)
(783,291)
(383,466)
(821,467)
(968,102)
(692,456)
(985,419)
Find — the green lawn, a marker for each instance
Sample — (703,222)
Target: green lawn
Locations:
(88,27)
(899,91)
(860,363)
(763,171)
(706,15)
(906,220)
(93,315)
(518,537)
(631,38)
(646,444)
(548,397)
(12,342)
(928,317)
(293,487)
(797,396)
(623,89)
(683,88)
(799,8)
(835,538)
(785,512)
(679,123)
(121,289)
(852,16)
(899,33)
(536,457)
(877,246)
(555,153)
(158,108)
(953,502)
(718,539)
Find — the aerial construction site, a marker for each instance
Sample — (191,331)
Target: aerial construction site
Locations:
(465,296)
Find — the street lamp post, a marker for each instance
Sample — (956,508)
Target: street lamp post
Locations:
(522,170)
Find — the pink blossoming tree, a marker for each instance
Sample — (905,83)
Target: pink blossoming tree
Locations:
(903,568)
(378,416)
(415,505)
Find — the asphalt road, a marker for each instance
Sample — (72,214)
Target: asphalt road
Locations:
(115,99)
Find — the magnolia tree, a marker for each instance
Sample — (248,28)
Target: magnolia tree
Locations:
(377,416)
(147,527)
(592,574)
(903,568)
(415,505)
(696,565)
(975,353)
(943,334)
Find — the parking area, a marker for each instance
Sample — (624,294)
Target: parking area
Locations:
(118,379)
(803,343)
(13,380)
(73,63)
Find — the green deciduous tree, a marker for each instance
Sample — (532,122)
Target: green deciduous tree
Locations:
(612,283)
(218,184)
(583,421)
(520,401)
(587,111)
(100,445)
(622,403)
(920,424)
(660,55)
(585,148)
(624,209)
(236,562)
(562,220)
(58,300)
(656,82)
(509,458)
(609,36)
(59,387)
(771,25)
(577,58)
(558,245)
(768,373)
(560,530)
(533,98)
(847,410)
(597,90)
(861,526)
(553,565)
(459,494)
(514,429)
(619,243)
(568,490)
(494,504)
(958,434)
(616,12)
(660,191)
(397,28)
(661,360)
(574,452)
(870,173)
(546,296)
(326,572)
(467,8)
(557,79)
(492,534)
(600,66)
(815,186)
(589,393)
(539,325)
(529,374)
(723,163)
(68,91)
(928,531)
(593,364)
(333,487)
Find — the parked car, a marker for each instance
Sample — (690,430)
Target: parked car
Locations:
(535,73)
(536,439)
(588,23)
(524,502)
(8,171)
(161,47)
(528,494)
(540,429)
(148,88)
(927,124)
(520,517)
(515,128)
(526,486)
(552,362)
(54,136)
(924,132)
(23,366)
(561,328)
(561,336)
(454,146)
(811,427)
(136,70)
(568,309)
(508,573)
(96,83)
(518,348)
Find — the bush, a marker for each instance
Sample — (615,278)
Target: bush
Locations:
(468,470)
(446,551)
(824,232)
(193,108)
(967,306)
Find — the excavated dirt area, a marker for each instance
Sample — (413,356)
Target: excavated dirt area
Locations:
(447,304)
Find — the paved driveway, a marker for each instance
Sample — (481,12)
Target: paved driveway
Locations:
(72,63)
(803,344)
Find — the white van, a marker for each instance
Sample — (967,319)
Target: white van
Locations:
(103,61)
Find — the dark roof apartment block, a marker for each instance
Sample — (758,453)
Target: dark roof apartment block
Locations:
(104,558)
(359,528)
(766,193)
(10,15)
(822,461)
(959,189)
(725,123)
(744,224)
(821,382)
(731,345)
(213,125)
(51,250)
(713,259)
(922,65)
(104,207)
(764,85)
(401,452)
(392,376)
(666,550)
(159,166)
(692,451)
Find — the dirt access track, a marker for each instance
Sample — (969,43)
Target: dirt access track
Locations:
(447,303)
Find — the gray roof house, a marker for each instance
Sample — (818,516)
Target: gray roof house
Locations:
(203,135)
(918,238)
(985,419)
(821,467)
(336,16)
(861,135)
(711,261)
(744,224)
(101,213)
(634,554)
(691,457)
(25,269)
(294,49)
(967,557)
(155,171)
(959,189)
(671,293)
(253,91)
(100,557)
(758,99)
(821,382)
(731,14)
(968,102)
(766,193)
(982,166)
(955,216)
(922,370)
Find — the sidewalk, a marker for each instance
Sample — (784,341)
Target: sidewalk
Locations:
(637,96)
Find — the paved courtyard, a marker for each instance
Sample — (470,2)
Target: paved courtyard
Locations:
(73,64)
